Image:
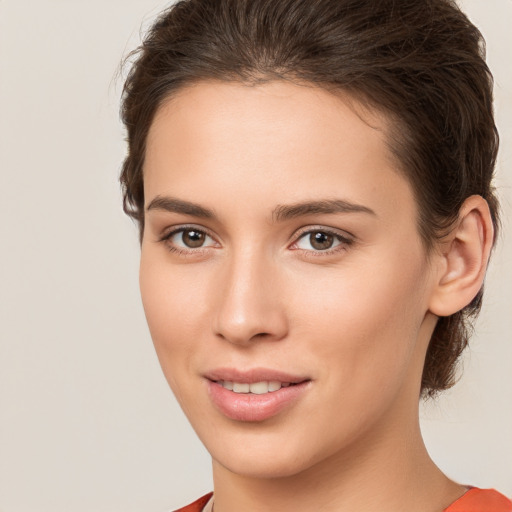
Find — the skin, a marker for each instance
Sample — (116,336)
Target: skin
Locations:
(356,320)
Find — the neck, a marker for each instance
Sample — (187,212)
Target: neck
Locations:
(388,470)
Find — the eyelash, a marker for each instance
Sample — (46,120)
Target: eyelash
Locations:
(181,251)
(345,241)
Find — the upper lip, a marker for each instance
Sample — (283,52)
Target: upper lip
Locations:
(253,375)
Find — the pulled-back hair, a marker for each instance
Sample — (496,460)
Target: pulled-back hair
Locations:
(420,62)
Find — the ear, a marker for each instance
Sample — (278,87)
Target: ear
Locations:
(463,257)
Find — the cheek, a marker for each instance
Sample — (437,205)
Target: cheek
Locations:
(172,303)
(365,323)
(172,295)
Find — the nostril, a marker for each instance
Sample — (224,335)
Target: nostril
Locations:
(261,335)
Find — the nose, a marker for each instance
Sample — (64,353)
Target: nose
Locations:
(250,302)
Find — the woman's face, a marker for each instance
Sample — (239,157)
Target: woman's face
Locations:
(281,257)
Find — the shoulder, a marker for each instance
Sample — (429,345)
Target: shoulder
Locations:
(198,505)
(481,500)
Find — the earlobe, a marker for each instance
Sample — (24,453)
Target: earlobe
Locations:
(463,258)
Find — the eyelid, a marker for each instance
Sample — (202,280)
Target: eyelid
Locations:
(341,233)
(344,237)
(170,231)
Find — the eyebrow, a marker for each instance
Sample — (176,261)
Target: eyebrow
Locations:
(279,214)
(325,206)
(173,205)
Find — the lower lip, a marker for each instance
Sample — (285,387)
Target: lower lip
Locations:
(252,407)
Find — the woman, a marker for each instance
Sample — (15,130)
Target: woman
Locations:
(313,185)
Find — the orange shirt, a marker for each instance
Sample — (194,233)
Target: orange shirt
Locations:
(475,500)
(197,506)
(481,500)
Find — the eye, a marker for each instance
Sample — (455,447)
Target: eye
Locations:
(187,238)
(320,240)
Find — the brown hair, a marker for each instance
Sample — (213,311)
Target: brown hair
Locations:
(419,61)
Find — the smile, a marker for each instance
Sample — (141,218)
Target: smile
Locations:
(256,388)
(257,400)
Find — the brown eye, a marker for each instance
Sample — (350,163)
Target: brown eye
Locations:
(320,240)
(188,239)
(192,238)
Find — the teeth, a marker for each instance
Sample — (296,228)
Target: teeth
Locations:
(273,385)
(240,388)
(257,388)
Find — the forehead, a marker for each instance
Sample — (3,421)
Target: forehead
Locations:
(272,140)
(274,110)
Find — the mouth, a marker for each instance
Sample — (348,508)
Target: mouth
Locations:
(256,388)
(255,395)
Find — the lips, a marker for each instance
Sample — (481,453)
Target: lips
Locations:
(254,395)
(253,375)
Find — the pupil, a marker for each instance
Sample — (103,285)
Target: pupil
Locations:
(193,238)
(321,240)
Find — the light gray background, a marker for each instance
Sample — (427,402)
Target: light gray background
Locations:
(86,420)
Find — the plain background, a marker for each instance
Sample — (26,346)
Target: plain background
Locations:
(86,420)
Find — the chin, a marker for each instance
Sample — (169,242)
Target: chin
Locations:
(256,467)
(266,456)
